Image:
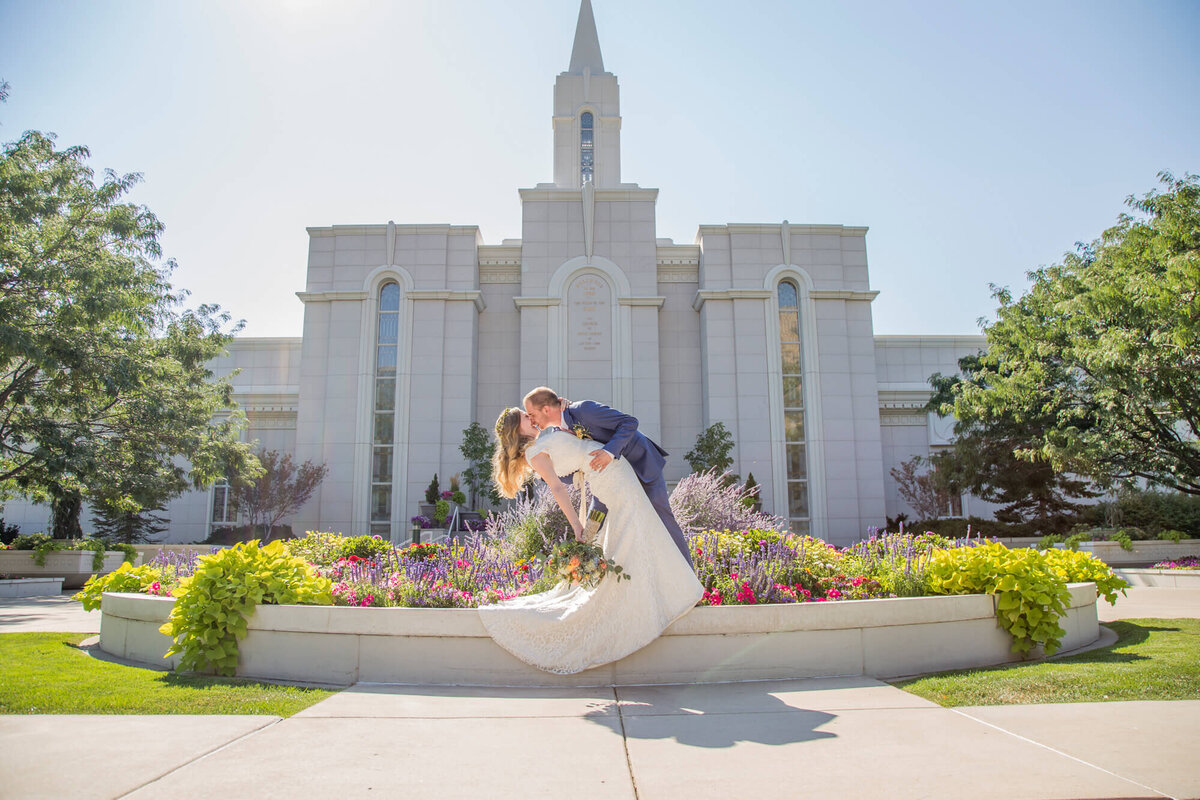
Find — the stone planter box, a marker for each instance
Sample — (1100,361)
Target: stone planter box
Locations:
(30,587)
(73,566)
(1143,552)
(1165,578)
(712,644)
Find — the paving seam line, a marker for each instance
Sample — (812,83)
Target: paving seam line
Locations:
(202,756)
(625,744)
(1060,752)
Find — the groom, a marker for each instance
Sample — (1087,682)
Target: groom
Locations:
(621,438)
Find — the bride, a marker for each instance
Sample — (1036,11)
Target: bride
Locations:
(571,628)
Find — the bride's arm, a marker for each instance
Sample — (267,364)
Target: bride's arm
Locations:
(544,467)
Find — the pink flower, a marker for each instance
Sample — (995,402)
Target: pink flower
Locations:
(833,594)
(746,594)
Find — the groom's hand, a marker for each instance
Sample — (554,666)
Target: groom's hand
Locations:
(601,459)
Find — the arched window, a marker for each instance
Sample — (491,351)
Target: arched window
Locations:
(587,142)
(386,351)
(796,451)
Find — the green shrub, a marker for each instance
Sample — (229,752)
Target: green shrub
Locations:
(317,547)
(1150,511)
(126,578)
(1172,536)
(1030,595)
(213,605)
(1075,567)
(441,511)
(368,547)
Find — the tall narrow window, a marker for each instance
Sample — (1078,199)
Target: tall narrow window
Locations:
(793,408)
(587,152)
(383,444)
(224,507)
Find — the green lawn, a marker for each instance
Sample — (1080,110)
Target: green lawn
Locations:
(1153,659)
(47,673)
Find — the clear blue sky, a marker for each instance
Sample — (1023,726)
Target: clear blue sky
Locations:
(976,140)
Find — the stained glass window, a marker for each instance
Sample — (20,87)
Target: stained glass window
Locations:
(387,343)
(793,407)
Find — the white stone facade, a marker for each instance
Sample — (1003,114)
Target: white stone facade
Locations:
(592,303)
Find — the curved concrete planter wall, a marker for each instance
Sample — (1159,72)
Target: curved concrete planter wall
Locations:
(435,646)
(1168,578)
(73,566)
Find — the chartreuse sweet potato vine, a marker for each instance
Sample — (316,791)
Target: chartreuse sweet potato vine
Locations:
(214,604)
(1030,587)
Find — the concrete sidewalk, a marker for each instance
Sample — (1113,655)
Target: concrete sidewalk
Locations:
(826,737)
(822,737)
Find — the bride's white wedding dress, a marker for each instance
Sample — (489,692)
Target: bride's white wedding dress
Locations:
(570,629)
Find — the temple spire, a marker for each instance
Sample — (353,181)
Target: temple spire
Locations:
(586,52)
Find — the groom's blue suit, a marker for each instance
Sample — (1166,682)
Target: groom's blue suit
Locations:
(619,435)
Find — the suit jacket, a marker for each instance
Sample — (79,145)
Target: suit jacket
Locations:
(619,434)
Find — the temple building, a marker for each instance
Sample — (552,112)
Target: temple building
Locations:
(413,331)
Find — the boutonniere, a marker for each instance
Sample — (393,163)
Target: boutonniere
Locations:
(581,432)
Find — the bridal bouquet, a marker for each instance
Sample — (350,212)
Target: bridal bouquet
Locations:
(582,564)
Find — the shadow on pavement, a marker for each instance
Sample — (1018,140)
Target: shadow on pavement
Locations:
(704,720)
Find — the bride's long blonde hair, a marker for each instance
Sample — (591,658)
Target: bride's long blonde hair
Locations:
(509,468)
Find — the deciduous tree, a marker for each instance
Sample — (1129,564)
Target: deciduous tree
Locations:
(102,371)
(278,492)
(1103,351)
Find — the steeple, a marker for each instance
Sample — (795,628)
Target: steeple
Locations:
(586,52)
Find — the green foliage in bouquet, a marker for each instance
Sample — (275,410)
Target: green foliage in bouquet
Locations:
(125,578)
(215,603)
(582,564)
(1030,594)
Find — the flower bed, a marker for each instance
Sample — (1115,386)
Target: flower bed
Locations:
(449,646)
(1187,562)
(746,563)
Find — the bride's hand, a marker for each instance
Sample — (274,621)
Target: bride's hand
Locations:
(578,534)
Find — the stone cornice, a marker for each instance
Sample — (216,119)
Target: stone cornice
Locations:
(704,295)
(401,230)
(536,302)
(328,297)
(678,254)
(472,296)
(773,228)
(656,302)
(836,294)
(499,255)
(908,396)
(265,342)
(965,340)
(560,194)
